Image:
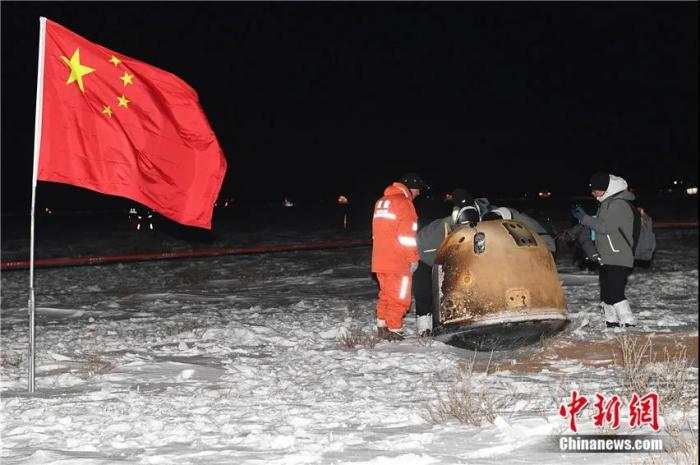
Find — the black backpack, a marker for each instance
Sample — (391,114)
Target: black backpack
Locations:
(641,228)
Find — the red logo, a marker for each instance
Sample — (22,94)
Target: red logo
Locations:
(642,410)
(645,410)
(573,408)
(607,412)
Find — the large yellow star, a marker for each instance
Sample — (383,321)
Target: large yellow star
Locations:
(127,78)
(77,69)
(123,101)
(114,60)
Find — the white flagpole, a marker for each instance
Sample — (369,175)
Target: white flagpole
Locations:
(37,146)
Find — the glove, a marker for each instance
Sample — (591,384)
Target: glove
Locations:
(414,266)
(578,212)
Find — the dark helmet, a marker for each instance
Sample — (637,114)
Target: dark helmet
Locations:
(599,181)
(413,181)
(461,198)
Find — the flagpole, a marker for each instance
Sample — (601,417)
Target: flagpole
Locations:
(37,146)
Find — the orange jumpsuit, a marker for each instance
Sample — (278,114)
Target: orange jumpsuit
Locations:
(394,248)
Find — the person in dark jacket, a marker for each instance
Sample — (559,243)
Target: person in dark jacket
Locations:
(429,207)
(580,237)
(433,226)
(613,226)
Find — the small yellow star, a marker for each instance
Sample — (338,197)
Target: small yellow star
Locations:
(77,69)
(115,60)
(123,101)
(127,78)
(107,110)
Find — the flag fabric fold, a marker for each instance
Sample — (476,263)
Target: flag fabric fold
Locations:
(119,126)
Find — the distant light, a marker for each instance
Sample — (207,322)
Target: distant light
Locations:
(287,202)
(342,200)
(675,182)
(48,211)
(544,194)
(692,191)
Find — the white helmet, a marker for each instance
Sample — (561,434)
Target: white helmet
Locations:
(503,212)
(465,215)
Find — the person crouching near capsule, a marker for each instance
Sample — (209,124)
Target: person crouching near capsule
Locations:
(394,253)
(614,228)
(431,234)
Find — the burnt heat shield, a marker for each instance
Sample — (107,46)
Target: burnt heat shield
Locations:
(496,287)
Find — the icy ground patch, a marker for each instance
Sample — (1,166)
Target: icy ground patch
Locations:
(236,360)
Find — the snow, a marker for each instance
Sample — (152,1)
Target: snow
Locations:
(236,360)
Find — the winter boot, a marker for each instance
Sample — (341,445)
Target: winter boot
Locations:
(624,313)
(424,325)
(389,334)
(611,319)
(381,328)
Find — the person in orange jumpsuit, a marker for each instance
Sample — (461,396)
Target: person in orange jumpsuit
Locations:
(395,253)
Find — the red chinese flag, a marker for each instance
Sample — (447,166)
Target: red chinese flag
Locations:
(122,127)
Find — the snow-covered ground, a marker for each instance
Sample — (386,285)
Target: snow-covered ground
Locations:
(237,359)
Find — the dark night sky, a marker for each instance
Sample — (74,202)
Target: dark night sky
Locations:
(310,99)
